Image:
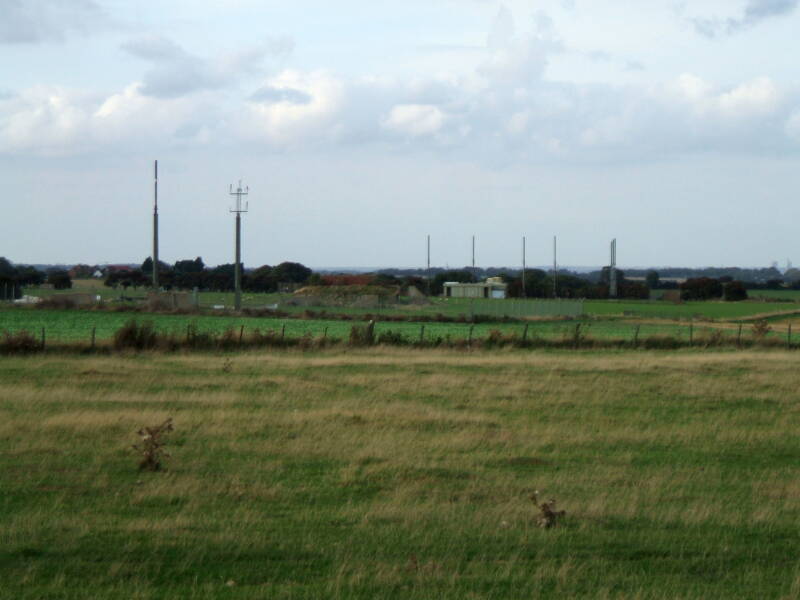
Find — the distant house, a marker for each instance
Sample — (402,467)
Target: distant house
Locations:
(493,287)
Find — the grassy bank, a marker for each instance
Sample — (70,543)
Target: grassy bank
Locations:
(401,474)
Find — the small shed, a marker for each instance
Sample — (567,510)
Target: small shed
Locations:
(493,287)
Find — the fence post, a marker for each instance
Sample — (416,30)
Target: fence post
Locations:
(43,338)
(241,334)
(636,337)
(283,331)
(525,334)
(325,333)
(471,327)
(691,333)
(94,335)
(789,337)
(739,336)
(421,333)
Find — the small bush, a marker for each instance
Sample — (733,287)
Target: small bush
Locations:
(363,335)
(135,336)
(760,329)
(19,343)
(393,338)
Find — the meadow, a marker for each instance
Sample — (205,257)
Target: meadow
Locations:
(768,302)
(78,326)
(399,473)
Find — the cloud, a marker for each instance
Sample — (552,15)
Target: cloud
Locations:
(755,12)
(414,119)
(37,21)
(176,72)
(293,107)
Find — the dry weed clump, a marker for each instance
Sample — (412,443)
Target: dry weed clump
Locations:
(760,329)
(136,336)
(20,342)
(548,516)
(152,445)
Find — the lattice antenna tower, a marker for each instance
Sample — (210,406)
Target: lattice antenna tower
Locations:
(238,209)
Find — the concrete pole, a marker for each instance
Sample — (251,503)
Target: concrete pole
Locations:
(237,301)
(155,229)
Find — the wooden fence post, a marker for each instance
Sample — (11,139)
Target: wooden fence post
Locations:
(471,327)
(241,334)
(283,331)
(739,336)
(94,334)
(421,333)
(636,336)
(525,334)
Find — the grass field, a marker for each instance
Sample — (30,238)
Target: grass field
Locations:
(77,326)
(454,307)
(402,474)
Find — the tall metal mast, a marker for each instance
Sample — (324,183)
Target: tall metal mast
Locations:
(237,298)
(473,252)
(523,268)
(555,269)
(155,227)
(428,270)
(612,270)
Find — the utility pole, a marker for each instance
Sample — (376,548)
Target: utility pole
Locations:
(523,267)
(555,270)
(473,252)
(155,228)
(612,270)
(428,269)
(237,299)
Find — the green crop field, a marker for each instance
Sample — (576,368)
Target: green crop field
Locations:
(407,474)
(77,326)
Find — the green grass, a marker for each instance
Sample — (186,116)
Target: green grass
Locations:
(77,325)
(401,474)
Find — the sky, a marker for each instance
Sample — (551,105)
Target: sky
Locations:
(361,127)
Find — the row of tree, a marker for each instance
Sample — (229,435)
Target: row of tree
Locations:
(15,277)
(189,274)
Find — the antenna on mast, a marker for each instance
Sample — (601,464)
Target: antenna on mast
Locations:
(238,210)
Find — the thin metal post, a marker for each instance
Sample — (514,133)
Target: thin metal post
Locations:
(555,269)
(428,269)
(739,336)
(155,228)
(524,295)
(473,252)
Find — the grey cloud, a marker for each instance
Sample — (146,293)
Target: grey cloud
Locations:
(755,12)
(176,72)
(270,95)
(37,21)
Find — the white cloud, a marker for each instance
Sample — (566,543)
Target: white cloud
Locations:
(415,119)
(276,117)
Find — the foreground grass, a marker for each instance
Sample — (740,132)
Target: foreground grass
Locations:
(402,474)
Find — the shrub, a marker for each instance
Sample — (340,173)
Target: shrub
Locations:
(393,338)
(19,342)
(363,335)
(734,291)
(134,336)
(760,329)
